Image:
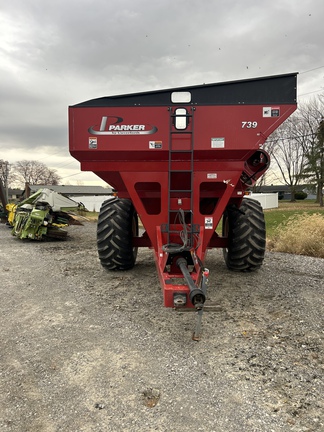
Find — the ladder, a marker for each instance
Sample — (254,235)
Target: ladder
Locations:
(181,177)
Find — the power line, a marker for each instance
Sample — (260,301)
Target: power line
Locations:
(310,70)
(71,175)
(315,91)
(292,137)
(69,163)
(47,156)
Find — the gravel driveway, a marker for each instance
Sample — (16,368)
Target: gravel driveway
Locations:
(86,350)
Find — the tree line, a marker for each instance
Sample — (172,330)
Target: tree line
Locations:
(297,150)
(27,171)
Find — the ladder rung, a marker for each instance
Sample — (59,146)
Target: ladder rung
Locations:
(181,151)
(180,171)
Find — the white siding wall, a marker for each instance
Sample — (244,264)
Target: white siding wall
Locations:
(267,200)
(92,203)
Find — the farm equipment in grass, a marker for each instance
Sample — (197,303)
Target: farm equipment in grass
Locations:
(41,216)
(181,160)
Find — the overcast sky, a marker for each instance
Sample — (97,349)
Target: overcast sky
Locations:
(62,52)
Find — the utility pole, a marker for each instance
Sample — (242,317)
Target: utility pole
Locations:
(320,137)
(4,174)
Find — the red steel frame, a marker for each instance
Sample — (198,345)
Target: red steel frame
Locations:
(128,145)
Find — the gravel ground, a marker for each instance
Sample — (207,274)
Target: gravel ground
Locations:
(87,350)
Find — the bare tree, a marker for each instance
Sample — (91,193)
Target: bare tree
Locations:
(297,147)
(288,152)
(34,173)
(312,115)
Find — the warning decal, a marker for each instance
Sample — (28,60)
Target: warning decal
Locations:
(271,112)
(208,223)
(211,175)
(155,144)
(93,143)
(217,142)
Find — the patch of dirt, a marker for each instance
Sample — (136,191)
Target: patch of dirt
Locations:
(83,349)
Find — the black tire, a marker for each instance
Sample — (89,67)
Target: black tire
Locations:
(245,229)
(117,225)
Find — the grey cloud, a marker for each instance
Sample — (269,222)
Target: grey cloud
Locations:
(59,53)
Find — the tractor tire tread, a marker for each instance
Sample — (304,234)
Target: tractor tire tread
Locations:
(115,234)
(246,237)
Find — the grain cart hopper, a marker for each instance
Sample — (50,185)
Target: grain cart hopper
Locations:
(181,159)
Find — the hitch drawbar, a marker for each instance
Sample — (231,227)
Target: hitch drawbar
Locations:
(197,295)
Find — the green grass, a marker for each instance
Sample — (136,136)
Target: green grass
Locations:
(287,209)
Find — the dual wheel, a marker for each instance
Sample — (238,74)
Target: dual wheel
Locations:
(244,228)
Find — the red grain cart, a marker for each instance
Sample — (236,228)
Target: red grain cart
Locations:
(181,160)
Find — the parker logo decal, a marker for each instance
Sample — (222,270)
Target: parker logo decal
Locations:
(111,125)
